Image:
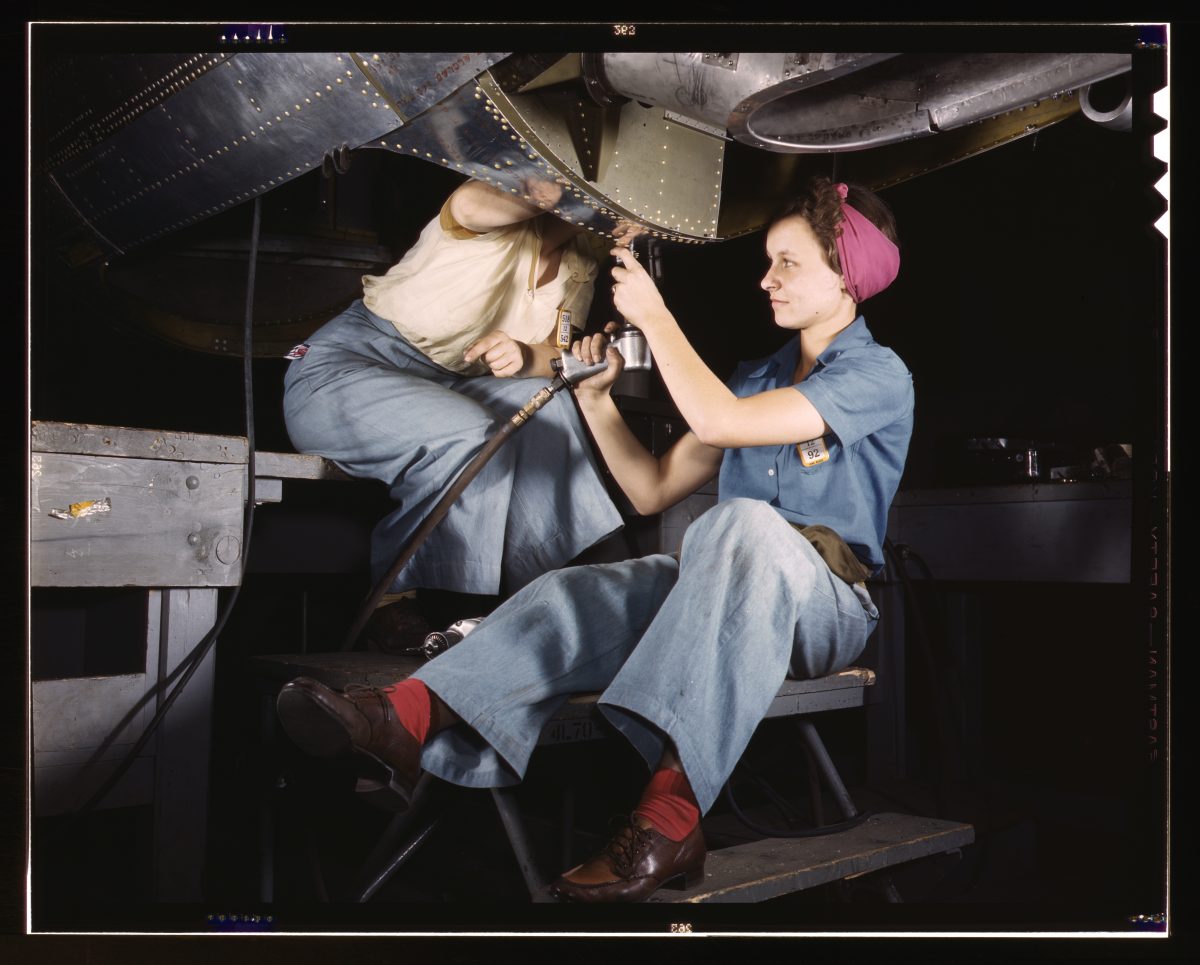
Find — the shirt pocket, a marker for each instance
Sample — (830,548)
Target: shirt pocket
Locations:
(813,457)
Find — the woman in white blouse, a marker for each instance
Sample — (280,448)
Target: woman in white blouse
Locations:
(408,383)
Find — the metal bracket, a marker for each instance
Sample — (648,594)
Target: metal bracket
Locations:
(728,61)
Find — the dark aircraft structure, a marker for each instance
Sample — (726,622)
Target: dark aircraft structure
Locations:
(694,147)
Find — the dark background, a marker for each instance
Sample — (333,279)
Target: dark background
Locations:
(1030,304)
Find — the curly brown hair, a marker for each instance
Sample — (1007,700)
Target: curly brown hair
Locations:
(818,203)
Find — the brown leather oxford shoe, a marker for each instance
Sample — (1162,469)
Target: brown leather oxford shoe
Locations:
(324,723)
(635,863)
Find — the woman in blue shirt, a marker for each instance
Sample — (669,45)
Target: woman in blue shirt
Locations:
(687,651)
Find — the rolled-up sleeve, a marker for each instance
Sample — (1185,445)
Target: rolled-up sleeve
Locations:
(860,392)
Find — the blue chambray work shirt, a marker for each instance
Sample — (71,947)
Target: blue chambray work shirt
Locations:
(864,393)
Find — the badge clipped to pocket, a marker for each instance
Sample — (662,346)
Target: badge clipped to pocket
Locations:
(813,453)
(564,327)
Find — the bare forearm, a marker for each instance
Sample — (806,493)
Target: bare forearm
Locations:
(717,417)
(635,469)
(705,403)
(480,207)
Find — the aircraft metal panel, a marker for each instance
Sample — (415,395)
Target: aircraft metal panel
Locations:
(256,122)
(414,81)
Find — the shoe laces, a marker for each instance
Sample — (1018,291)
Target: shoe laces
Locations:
(358,692)
(626,846)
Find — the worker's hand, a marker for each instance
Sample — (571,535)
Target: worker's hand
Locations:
(634,293)
(591,349)
(503,354)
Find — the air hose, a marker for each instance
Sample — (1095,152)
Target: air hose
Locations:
(568,371)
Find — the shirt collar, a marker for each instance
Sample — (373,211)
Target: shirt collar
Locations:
(784,360)
(853,334)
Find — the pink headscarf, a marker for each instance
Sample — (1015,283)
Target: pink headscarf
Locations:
(870,260)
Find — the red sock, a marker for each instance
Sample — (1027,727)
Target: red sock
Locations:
(669,804)
(410,698)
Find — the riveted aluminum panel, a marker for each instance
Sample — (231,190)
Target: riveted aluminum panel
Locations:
(119,89)
(248,123)
(522,143)
(415,81)
(661,173)
(725,90)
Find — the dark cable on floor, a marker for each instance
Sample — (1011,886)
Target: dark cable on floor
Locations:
(196,657)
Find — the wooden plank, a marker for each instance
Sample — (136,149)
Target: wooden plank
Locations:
(126,442)
(833,692)
(267,491)
(578,718)
(772,867)
(79,712)
(291,465)
(842,689)
(70,719)
(169,523)
(338,669)
(844,679)
(183,746)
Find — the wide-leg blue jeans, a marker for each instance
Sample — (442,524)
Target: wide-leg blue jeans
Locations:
(692,650)
(366,399)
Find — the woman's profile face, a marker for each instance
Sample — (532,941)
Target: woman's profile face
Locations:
(803,289)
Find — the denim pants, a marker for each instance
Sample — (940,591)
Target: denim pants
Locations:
(693,650)
(367,400)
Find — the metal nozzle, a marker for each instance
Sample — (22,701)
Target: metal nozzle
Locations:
(628,340)
(634,349)
(573,371)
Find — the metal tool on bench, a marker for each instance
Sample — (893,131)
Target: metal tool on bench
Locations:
(442,640)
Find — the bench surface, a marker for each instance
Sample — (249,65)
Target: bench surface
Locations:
(749,872)
(577,719)
(772,867)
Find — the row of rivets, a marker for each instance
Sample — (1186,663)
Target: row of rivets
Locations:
(498,116)
(224,149)
(220,150)
(105,126)
(484,173)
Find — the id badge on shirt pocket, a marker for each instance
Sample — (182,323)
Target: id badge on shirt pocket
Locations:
(813,453)
(564,327)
